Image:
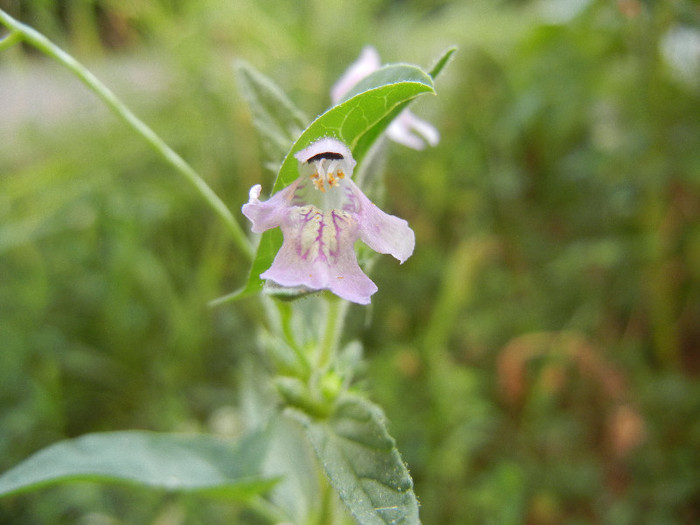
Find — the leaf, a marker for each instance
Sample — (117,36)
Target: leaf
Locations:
(357,122)
(362,463)
(292,459)
(278,121)
(174,462)
(442,62)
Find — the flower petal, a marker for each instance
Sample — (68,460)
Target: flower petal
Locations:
(382,232)
(402,127)
(270,213)
(318,253)
(367,63)
(350,281)
(328,148)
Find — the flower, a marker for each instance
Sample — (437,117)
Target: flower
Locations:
(406,129)
(322,214)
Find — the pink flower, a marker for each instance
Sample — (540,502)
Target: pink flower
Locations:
(322,214)
(406,129)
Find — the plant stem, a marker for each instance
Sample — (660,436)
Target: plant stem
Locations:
(12,38)
(286,314)
(335,317)
(266,510)
(43,44)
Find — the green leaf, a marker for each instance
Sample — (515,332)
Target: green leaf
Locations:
(174,462)
(278,121)
(442,62)
(362,463)
(357,122)
(292,459)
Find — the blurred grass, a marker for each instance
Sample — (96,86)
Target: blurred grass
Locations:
(537,356)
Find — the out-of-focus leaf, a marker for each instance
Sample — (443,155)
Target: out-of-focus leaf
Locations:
(357,122)
(174,462)
(442,62)
(278,121)
(292,459)
(362,463)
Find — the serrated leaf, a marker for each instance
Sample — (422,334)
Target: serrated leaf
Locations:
(174,462)
(362,463)
(277,120)
(357,122)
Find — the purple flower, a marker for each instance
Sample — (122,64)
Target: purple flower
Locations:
(321,215)
(406,129)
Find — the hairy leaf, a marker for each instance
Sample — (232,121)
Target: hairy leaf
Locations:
(362,463)
(173,462)
(277,120)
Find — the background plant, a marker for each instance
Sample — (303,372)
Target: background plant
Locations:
(536,357)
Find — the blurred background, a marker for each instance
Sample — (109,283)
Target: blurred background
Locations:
(538,355)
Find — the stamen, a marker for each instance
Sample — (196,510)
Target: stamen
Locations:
(318,182)
(324,174)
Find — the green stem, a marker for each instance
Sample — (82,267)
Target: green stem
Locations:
(12,38)
(286,314)
(266,510)
(335,317)
(43,44)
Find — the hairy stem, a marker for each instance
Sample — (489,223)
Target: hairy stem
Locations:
(19,31)
(335,318)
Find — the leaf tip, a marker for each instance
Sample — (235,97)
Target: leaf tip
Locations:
(441,62)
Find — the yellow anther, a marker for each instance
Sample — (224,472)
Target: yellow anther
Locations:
(330,178)
(318,182)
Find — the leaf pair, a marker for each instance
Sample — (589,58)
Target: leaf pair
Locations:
(357,454)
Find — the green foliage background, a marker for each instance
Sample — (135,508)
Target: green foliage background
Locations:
(537,356)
